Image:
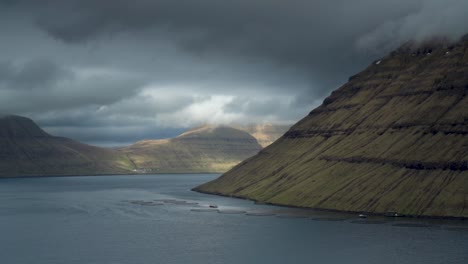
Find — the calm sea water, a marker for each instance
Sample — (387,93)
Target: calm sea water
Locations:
(116,220)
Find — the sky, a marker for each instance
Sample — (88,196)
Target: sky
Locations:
(114,72)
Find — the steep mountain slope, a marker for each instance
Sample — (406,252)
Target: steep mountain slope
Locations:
(27,150)
(394,138)
(204,149)
(265,133)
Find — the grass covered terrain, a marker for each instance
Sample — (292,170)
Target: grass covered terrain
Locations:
(204,149)
(394,138)
(27,150)
(265,133)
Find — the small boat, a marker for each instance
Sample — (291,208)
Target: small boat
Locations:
(362,216)
(213,206)
(392,214)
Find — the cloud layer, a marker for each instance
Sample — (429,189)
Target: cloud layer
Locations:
(113,72)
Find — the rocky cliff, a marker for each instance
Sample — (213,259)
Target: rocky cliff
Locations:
(393,138)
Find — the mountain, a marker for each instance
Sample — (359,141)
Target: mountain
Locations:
(27,150)
(265,133)
(393,138)
(203,149)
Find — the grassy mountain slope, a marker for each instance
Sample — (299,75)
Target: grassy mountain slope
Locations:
(394,138)
(27,150)
(204,149)
(265,133)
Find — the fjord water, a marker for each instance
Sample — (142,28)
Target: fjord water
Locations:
(102,220)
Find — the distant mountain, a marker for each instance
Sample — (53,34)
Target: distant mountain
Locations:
(203,149)
(265,133)
(27,150)
(394,138)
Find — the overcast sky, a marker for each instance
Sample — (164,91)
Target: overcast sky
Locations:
(114,72)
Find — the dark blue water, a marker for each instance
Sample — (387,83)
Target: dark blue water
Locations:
(106,220)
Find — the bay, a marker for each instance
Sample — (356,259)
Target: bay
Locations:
(157,219)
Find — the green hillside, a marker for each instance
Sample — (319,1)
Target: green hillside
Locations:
(394,138)
(203,149)
(265,133)
(27,150)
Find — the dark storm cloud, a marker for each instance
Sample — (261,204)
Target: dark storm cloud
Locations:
(134,111)
(95,127)
(49,86)
(317,36)
(122,70)
(38,73)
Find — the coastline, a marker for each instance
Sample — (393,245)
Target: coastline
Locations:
(196,189)
(334,210)
(104,175)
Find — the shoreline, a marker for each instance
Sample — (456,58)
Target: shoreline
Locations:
(335,210)
(195,189)
(103,175)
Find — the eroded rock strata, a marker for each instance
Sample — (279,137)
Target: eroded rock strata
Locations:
(394,138)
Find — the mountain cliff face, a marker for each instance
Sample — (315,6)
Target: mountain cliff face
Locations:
(27,150)
(203,149)
(394,138)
